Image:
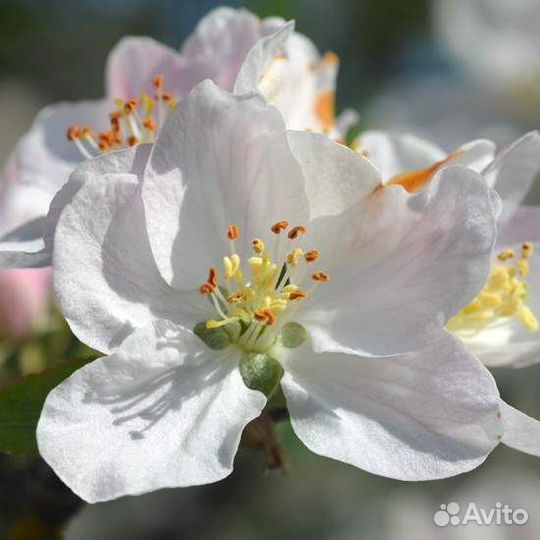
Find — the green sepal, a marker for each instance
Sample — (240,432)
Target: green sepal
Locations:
(216,338)
(293,335)
(260,372)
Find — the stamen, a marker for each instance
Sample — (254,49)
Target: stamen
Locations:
(503,297)
(258,246)
(279,226)
(320,276)
(265,315)
(297,295)
(312,255)
(506,254)
(138,117)
(295,232)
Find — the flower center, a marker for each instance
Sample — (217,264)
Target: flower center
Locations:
(134,121)
(503,298)
(256,300)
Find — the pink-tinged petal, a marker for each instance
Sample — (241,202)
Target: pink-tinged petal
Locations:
(44,156)
(419,416)
(522,226)
(401,264)
(221,42)
(24,297)
(135,61)
(106,279)
(514,170)
(220,159)
(163,411)
(521,431)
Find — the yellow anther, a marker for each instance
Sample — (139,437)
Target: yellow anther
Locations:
(295,256)
(528,319)
(255,265)
(504,296)
(147,104)
(258,246)
(235,298)
(523,267)
(506,255)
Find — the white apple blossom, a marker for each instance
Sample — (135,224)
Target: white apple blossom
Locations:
(309,268)
(501,325)
(144,81)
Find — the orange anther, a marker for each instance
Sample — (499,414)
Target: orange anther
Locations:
(279,226)
(158,81)
(265,315)
(320,276)
(233,233)
(149,124)
(212,277)
(206,289)
(73,133)
(295,232)
(133,141)
(297,295)
(312,255)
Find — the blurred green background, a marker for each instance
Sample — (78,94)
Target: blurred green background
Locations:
(402,67)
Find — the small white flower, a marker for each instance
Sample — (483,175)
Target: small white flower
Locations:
(501,325)
(315,271)
(144,81)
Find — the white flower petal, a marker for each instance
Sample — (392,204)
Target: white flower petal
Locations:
(163,411)
(523,225)
(222,43)
(135,61)
(476,155)
(514,170)
(336,177)
(421,416)
(397,153)
(260,57)
(44,156)
(219,160)
(509,343)
(521,431)
(401,264)
(105,276)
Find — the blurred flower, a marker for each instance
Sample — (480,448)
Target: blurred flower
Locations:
(24,293)
(189,365)
(501,324)
(24,298)
(497,42)
(144,81)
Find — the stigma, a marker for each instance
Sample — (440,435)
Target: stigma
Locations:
(132,122)
(255,298)
(503,299)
